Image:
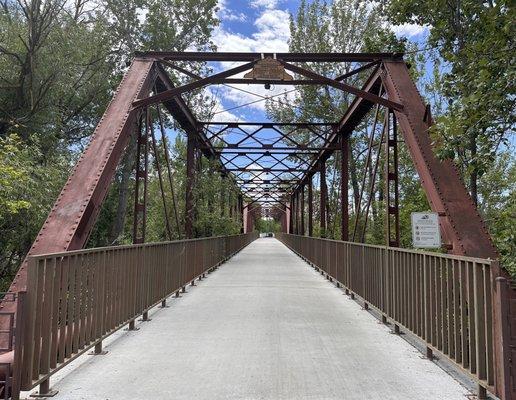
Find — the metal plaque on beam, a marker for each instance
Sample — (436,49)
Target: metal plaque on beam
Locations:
(268,69)
(425,230)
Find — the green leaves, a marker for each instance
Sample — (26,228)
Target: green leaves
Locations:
(28,188)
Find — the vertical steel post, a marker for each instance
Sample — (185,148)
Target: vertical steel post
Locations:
(391,175)
(284,219)
(344,181)
(310,208)
(302,209)
(501,299)
(293,213)
(230,204)
(291,219)
(160,180)
(140,189)
(221,198)
(241,212)
(296,212)
(140,194)
(247,216)
(190,180)
(288,218)
(324,194)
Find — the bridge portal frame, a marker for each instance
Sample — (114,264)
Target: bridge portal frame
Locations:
(389,85)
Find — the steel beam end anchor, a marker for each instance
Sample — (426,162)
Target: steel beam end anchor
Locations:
(50,393)
(429,354)
(145,317)
(44,390)
(98,350)
(132,326)
(396,330)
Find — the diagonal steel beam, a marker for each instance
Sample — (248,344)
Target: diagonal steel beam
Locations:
(182,113)
(75,211)
(461,224)
(171,93)
(345,87)
(356,71)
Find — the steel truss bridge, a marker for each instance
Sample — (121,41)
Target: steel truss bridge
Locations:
(65,300)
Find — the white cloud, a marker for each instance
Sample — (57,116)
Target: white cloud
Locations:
(272,29)
(409,30)
(264,3)
(272,34)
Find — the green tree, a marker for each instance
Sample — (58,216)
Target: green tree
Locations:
(29,183)
(60,63)
(52,71)
(498,204)
(475,59)
(266,225)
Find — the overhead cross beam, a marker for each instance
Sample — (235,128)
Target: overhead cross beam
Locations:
(289,57)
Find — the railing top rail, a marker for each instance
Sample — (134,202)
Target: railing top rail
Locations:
(487,261)
(126,246)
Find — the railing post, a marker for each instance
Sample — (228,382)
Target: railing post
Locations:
(19,340)
(501,325)
(45,390)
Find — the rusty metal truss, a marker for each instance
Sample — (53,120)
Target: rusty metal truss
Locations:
(274,164)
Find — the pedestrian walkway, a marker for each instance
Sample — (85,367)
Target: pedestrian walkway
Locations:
(263,326)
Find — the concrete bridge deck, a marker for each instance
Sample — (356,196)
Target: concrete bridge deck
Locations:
(263,326)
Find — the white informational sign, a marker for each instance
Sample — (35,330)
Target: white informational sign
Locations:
(425,230)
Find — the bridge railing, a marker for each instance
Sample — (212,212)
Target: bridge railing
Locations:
(445,300)
(75,299)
